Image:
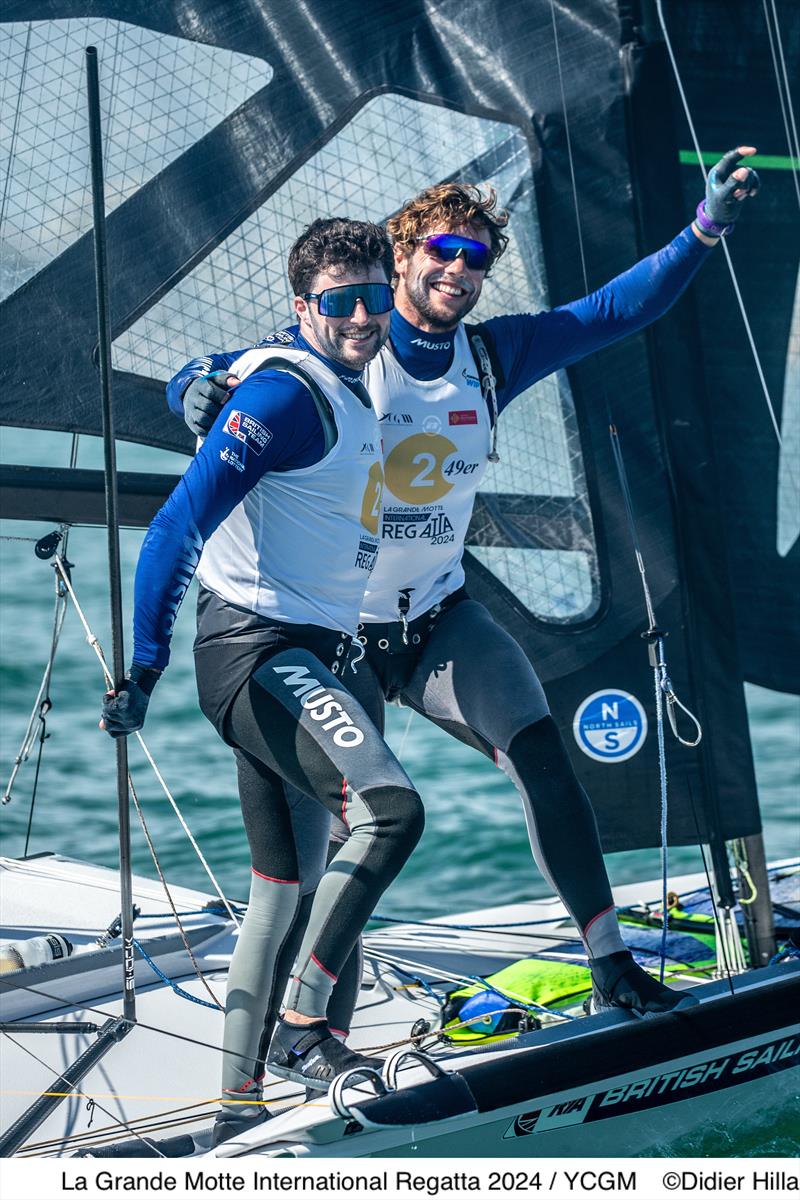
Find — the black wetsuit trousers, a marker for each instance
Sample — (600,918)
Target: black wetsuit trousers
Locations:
(458,668)
(293,723)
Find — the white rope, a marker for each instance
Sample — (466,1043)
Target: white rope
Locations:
(787,111)
(94,643)
(569,150)
(404,738)
(725,250)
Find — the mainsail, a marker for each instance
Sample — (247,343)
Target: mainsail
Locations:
(231,126)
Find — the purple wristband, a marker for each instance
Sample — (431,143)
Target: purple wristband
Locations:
(709,227)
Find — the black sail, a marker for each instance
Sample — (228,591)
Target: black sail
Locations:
(231,126)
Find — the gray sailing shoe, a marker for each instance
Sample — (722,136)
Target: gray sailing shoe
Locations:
(311,1055)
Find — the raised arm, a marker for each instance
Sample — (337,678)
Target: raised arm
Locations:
(532,346)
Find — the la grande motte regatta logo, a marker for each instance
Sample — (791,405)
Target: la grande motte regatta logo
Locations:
(610,725)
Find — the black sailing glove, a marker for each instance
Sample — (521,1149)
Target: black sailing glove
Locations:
(124,711)
(717,213)
(203,400)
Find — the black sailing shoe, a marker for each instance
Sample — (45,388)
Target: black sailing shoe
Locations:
(310,1054)
(619,982)
(232,1124)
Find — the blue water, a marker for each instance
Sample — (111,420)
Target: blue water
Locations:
(474,851)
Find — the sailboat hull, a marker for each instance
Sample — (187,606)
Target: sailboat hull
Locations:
(722,1065)
(608,1084)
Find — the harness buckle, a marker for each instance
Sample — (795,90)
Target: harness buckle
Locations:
(403,608)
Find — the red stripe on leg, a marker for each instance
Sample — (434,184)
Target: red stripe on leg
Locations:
(597,918)
(330,974)
(272,879)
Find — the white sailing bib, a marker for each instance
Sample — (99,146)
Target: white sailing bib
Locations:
(300,546)
(436,440)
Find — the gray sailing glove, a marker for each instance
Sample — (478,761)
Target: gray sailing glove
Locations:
(203,400)
(717,213)
(124,711)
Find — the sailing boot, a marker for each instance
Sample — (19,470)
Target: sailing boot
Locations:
(619,982)
(311,1055)
(230,1124)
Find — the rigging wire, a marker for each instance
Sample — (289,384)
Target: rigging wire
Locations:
(42,695)
(101,1134)
(722,946)
(15,127)
(178,921)
(76,1091)
(94,643)
(787,109)
(654,636)
(725,249)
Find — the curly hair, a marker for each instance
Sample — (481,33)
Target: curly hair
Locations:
(336,242)
(445,206)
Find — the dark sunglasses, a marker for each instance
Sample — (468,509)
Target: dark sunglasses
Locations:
(446,247)
(340,301)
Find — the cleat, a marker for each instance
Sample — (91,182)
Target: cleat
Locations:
(231,1124)
(619,982)
(311,1055)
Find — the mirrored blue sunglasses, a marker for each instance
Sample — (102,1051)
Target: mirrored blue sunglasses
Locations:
(446,247)
(340,301)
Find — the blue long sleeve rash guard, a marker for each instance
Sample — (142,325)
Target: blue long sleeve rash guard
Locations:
(221,474)
(530,345)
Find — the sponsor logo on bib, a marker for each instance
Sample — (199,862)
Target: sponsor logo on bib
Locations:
(464,416)
(414,468)
(372,499)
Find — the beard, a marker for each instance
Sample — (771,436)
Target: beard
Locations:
(419,293)
(334,344)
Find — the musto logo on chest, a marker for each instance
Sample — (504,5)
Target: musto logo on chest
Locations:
(418,471)
(321,706)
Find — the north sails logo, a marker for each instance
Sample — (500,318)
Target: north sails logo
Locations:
(321,706)
(430,345)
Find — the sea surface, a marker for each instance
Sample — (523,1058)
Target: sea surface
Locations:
(474,851)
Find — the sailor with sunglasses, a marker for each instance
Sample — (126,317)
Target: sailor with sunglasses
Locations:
(427,644)
(278,514)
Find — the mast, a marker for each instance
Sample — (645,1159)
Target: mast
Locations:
(112,526)
(117,1027)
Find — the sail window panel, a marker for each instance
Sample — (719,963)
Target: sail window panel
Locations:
(392,148)
(533,524)
(159,95)
(559,586)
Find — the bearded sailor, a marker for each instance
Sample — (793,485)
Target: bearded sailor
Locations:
(279,515)
(427,644)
